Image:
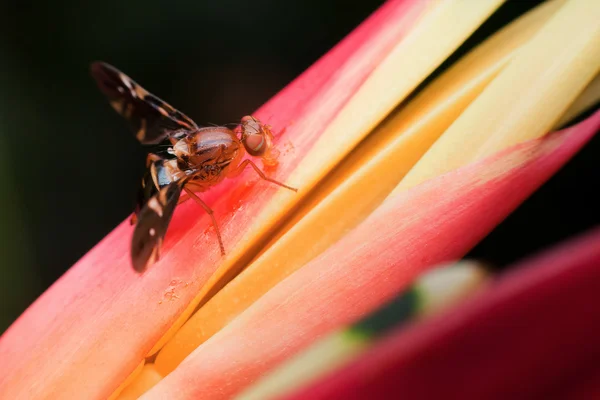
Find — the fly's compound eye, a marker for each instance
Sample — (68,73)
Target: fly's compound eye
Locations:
(257,139)
(255,136)
(255,144)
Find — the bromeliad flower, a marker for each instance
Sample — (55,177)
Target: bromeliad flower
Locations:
(389,186)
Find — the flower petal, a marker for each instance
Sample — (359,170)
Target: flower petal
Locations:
(147,377)
(586,100)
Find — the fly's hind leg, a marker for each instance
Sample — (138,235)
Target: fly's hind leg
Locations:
(241,167)
(209,211)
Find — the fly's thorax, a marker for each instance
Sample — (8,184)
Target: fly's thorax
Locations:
(207,147)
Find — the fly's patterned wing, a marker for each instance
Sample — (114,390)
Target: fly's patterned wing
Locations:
(151,119)
(155,177)
(151,227)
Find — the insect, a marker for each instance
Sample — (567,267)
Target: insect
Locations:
(196,158)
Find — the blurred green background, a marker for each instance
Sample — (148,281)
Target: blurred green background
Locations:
(70,168)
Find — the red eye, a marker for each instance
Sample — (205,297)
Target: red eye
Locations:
(255,144)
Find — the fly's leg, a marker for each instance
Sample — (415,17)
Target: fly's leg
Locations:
(241,167)
(209,211)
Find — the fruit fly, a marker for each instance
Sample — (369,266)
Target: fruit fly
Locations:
(196,158)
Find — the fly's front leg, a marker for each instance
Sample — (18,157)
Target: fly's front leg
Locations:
(241,167)
(209,211)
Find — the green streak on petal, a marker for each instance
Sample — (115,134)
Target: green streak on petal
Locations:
(397,311)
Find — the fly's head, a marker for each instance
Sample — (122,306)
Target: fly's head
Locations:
(257,139)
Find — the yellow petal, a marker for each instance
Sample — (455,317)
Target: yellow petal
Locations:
(588,98)
(527,98)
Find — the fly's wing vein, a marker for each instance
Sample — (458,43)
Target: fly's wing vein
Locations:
(151,119)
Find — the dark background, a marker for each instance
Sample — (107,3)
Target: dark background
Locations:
(70,168)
